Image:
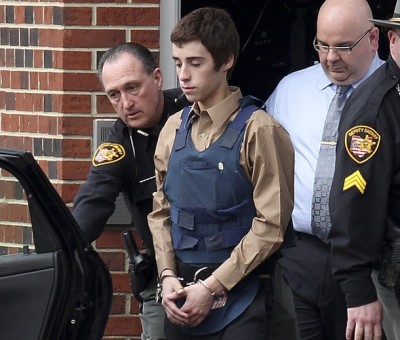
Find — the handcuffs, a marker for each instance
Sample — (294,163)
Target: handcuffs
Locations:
(219,299)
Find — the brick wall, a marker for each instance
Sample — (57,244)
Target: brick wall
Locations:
(49,95)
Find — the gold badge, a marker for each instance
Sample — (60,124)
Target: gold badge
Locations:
(108,153)
(361,143)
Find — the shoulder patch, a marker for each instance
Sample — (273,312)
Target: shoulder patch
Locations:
(108,153)
(361,143)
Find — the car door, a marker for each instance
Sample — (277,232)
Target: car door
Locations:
(53,285)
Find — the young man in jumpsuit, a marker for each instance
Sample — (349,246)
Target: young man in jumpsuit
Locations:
(224,172)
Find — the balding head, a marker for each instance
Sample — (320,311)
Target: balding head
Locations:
(341,14)
(343,23)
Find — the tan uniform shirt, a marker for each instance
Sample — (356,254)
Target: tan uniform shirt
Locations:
(267,157)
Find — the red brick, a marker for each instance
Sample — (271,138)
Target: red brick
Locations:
(92,38)
(2,100)
(118,304)
(2,53)
(150,39)
(120,283)
(34,81)
(10,58)
(48,124)
(131,16)
(38,14)
(13,142)
(2,13)
(37,102)
(5,77)
(73,60)
(48,15)
(115,261)
(67,191)
(25,102)
(51,81)
(84,170)
(81,82)
(134,306)
(9,123)
(19,13)
(29,123)
(123,325)
(76,148)
(38,58)
(72,103)
(71,170)
(77,16)
(76,126)
(103,105)
(15,80)
(51,37)
(111,238)
(96,1)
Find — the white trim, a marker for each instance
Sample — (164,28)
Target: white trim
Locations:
(170,12)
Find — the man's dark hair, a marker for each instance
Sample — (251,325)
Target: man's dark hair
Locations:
(138,51)
(215,29)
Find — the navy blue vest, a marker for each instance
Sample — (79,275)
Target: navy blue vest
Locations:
(211,198)
(212,209)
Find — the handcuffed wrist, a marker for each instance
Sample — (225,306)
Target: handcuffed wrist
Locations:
(213,294)
(163,277)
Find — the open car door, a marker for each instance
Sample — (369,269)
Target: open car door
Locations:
(53,285)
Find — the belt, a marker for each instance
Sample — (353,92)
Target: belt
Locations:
(311,239)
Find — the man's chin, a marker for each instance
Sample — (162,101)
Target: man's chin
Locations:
(338,77)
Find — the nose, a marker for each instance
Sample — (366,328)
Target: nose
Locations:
(126,100)
(332,55)
(183,73)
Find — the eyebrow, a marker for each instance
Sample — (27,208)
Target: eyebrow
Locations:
(189,58)
(342,44)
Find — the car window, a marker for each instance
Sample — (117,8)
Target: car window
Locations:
(15,220)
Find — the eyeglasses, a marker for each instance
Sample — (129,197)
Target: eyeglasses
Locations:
(338,49)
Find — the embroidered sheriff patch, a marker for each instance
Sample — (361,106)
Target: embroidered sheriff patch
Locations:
(108,153)
(361,143)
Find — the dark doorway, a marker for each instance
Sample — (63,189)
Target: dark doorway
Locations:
(276,37)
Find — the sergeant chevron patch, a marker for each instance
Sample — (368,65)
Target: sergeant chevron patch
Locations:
(357,180)
(361,143)
(108,153)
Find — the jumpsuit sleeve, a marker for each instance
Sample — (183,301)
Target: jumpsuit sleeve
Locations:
(267,157)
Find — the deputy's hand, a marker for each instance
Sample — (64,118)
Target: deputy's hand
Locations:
(364,322)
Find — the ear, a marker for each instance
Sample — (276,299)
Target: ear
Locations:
(228,64)
(158,77)
(374,38)
(392,36)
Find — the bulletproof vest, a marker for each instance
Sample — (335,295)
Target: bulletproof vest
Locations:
(212,208)
(211,199)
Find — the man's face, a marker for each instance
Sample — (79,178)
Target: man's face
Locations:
(134,94)
(198,78)
(394,41)
(346,69)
